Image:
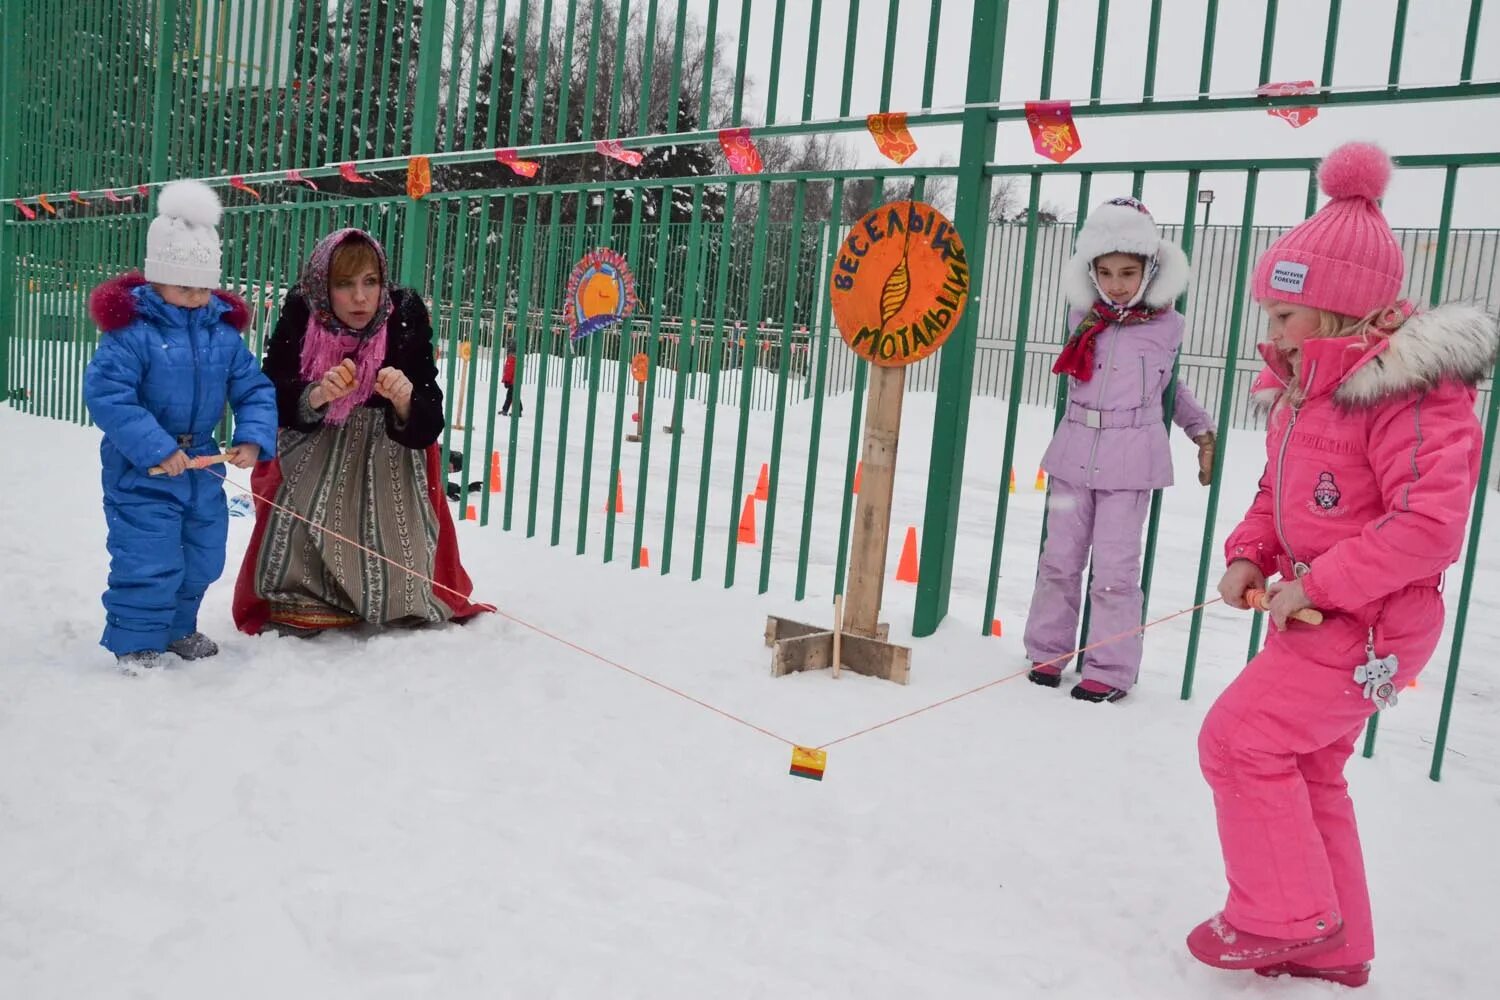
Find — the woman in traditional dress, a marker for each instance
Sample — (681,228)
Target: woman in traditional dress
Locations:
(358,531)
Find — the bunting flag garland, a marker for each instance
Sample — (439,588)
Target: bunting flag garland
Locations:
(1052,130)
(27,212)
(523,168)
(144,191)
(739,150)
(238,183)
(295,177)
(348,173)
(418,177)
(77,198)
(110,194)
(41,200)
(615,151)
(891,135)
(1295,117)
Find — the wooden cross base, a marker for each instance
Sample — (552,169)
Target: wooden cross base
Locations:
(798,646)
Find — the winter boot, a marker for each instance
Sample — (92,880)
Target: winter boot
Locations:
(1090,690)
(194,646)
(1046,674)
(131,664)
(1219,943)
(1344,975)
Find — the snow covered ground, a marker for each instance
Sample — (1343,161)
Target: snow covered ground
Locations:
(487,812)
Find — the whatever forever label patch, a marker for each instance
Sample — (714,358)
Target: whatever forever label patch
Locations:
(1287,276)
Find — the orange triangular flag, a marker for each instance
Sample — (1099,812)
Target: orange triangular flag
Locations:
(906,570)
(747,520)
(891,135)
(41,200)
(494,472)
(763,487)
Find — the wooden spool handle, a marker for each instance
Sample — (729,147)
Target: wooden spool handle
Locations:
(200,462)
(1261,601)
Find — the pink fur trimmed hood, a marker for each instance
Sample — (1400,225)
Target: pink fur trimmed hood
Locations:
(113,307)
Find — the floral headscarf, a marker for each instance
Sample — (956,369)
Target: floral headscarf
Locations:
(328,340)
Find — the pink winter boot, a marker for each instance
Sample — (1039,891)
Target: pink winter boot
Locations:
(1219,943)
(1344,975)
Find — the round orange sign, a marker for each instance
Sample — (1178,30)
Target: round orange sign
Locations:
(640,367)
(900,283)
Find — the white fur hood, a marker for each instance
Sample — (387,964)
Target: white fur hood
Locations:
(1448,342)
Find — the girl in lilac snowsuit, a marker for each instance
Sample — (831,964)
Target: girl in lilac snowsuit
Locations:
(1111,449)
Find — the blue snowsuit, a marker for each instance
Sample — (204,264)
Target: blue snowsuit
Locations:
(158,382)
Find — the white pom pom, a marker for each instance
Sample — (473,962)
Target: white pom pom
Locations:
(191,201)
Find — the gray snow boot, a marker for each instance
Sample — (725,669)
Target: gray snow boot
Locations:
(194,646)
(131,664)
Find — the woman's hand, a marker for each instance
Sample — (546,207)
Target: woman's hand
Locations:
(395,386)
(336,383)
(1241,576)
(1287,598)
(243,456)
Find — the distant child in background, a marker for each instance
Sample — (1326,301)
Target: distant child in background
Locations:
(508,379)
(170,357)
(1373,454)
(1111,449)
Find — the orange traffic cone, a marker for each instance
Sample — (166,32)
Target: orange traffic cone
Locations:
(906,570)
(1012,480)
(494,472)
(857,470)
(619,495)
(747,520)
(645,557)
(995,627)
(469,513)
(1041,479)
(763,487)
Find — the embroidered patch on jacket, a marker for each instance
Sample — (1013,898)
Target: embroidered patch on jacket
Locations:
(1326,497)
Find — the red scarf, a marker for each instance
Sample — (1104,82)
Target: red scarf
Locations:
(1077,357)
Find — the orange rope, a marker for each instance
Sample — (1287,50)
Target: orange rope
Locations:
(506,615)
(1018,673)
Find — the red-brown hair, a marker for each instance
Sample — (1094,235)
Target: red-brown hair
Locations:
(353,258)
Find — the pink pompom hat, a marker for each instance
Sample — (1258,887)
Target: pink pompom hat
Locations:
(1344,259)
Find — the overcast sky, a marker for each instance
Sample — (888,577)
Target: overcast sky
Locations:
(1434,42)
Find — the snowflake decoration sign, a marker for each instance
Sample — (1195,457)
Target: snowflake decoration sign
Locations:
(601,292)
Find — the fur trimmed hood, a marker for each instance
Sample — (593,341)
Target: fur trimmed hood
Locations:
(1124,226)
(113,306)
(1449,343)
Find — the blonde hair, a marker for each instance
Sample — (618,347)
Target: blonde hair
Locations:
(1373,326)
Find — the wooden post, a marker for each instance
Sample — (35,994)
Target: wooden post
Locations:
(463,383)
(872,513)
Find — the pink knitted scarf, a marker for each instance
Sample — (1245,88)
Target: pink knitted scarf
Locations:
(327,341)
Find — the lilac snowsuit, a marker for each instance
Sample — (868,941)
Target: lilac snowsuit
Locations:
(1108,454)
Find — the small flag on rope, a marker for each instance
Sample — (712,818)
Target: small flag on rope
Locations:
(348,173)
(110,194)
(418,177)
(523,168)
(809,763)
(77,198)
(739,150)
(892,137)
(295,177)
(41,200)
(1295,117)
(1052,130)
(144,191)
(238,183)
(615,151)
(27,212)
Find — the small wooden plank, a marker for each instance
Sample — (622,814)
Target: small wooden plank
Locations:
(814,651)
(785,628)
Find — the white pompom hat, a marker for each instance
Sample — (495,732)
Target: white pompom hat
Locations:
(182,245)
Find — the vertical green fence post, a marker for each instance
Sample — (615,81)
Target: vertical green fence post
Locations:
(950,426)
(161,109)
(423,140)
(10,159)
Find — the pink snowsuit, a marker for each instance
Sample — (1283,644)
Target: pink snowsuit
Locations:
(1365,496)
(1108,454)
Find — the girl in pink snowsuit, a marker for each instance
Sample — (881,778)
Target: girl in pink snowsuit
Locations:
(1111,449)
(1373,452)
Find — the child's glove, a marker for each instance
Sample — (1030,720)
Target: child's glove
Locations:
(1378,676)
(1206,443)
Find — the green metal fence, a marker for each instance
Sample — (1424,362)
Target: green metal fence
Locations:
(98,98)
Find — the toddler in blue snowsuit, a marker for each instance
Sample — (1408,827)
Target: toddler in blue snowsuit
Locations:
(169,358)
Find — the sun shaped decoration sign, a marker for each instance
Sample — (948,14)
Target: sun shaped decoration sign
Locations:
(900,283)
(601,291)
